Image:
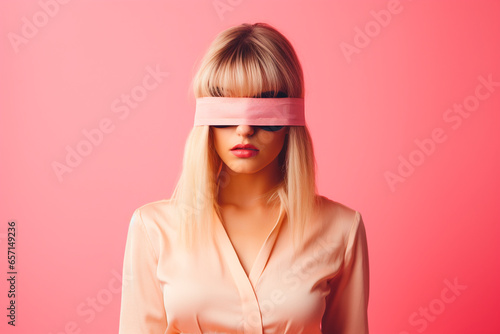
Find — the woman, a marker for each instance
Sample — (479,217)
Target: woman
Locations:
(245,244)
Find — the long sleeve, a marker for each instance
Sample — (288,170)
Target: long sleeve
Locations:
(347,304)
(142,309)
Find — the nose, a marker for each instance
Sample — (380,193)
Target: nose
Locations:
(245,130)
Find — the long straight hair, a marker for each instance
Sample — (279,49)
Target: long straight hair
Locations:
(244,61)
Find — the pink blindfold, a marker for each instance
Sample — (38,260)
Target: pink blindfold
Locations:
(249,111)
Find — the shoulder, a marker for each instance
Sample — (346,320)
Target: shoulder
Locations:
(157,219)
(335,209)
(157,210)
(159,213)
(338,218)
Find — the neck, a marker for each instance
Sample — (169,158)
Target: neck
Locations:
(248,190)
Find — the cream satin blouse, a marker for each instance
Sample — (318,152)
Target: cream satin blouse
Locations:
(324,289)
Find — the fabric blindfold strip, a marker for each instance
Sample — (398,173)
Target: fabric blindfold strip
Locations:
(249,111)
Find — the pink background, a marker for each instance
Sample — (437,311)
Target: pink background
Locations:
(366,112)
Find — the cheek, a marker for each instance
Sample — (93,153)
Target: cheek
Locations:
(273,143)
(266,138)
(218,141)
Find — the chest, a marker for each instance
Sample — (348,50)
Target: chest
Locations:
(219,290)
(248,231)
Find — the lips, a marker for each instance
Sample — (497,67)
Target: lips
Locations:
(244,147)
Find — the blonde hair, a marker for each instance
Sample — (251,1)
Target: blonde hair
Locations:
(244,61)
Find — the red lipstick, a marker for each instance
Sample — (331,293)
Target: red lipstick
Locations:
(244,150)
(244,146)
